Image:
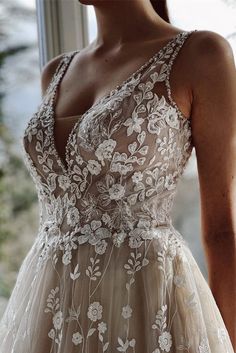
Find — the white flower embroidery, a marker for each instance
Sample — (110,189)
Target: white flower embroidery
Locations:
(94,167)
(109,190)
(156,109)
(169,182)
(66,258)
(68,242)
(102,327)
(153,125)
(135,238)
(165,341)
(77,338)
(51,228)
(93,233)
(118,238)
(105,149)
(79,160)
(58,320)
(95,311)
(133,124)
(73,216)
(144,223)
(51,334)
(100,247)
(126,311)
(106,218)
(123,169)
(137,177)
(171,117)
(116,191)
(64,182)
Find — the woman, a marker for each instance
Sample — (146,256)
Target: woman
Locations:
(108,272)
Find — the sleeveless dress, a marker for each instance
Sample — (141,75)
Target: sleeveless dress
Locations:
(108,272)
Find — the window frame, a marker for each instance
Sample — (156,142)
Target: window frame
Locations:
(62,26)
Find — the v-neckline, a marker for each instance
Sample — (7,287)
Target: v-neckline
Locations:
(69,56)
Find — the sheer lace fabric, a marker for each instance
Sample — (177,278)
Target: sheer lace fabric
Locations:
(108,272)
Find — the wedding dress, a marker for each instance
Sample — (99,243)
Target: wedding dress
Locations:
(108,272)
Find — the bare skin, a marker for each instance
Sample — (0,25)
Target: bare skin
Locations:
(204,87)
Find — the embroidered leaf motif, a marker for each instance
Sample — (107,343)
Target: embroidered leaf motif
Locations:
(91,331)
(75,274)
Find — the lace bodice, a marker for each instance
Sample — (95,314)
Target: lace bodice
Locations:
(124,157)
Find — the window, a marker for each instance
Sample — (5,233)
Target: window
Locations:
(20,94)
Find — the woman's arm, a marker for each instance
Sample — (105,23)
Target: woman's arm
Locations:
(214,136)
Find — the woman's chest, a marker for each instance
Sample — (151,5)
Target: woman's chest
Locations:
(132,130)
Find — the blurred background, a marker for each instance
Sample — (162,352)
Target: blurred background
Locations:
(21,59)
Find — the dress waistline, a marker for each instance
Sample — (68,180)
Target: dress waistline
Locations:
(50,233)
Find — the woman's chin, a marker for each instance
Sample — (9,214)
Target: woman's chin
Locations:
(92,2)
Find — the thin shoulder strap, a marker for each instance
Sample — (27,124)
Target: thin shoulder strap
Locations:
(172,57)
(63,63)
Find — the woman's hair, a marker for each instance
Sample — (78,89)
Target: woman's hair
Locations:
(160,6)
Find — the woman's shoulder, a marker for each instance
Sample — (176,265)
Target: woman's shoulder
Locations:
(208,56)
(208,50)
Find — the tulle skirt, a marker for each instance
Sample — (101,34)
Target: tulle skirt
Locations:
(140,296)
